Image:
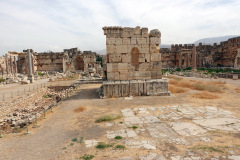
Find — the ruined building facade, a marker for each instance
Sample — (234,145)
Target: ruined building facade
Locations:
(226,54)
(69,60)
(133,63)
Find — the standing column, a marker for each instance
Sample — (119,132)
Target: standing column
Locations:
(11,65)
(30,75)
(6,57)
(194,58)
(15,66)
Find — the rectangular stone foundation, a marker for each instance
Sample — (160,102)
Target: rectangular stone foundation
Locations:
(153,87)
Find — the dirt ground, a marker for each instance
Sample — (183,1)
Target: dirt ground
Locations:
(54,139)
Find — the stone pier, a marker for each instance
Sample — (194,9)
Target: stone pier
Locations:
(30,71)
(133,65)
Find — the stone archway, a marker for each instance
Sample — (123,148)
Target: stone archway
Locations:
(135,58)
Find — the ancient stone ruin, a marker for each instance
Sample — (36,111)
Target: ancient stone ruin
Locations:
(133,63)
(225,54)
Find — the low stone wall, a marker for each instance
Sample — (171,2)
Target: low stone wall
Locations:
(153,87)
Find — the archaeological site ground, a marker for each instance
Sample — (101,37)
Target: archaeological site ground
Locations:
(137,102)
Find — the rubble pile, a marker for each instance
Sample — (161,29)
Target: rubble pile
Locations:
(17,113)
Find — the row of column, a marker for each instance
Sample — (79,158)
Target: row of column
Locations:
(11,64)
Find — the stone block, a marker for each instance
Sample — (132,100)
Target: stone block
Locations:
(147,57)
(145,32)
(119,41)
(154,41)
(109,67)
(141,41)
(121,49)
(127,32)
(110,41)
(141,60)
(116,76)
(126,41)
(111,49)
(124,75)
(154,49)
(155,57)
(126,58)
(122,66)
(145,67)
(133,41)
(115,58)
(137,30)
(110,75)
(144,49)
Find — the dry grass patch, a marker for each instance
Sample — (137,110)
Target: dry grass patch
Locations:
(173,89)
(80,109)
(218,82)
(173,81)
(237,90)
(205,95)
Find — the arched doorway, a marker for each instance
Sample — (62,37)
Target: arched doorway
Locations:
(135,58)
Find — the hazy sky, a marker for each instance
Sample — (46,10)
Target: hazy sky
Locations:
(57,24)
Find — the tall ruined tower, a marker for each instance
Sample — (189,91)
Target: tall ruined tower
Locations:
(133,61)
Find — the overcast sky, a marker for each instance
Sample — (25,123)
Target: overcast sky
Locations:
(57,24)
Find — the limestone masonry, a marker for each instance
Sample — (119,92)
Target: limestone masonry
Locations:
(133,63)
(225,54)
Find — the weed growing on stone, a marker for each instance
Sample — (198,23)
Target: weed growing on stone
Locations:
(107,118)
(121,122)
(134,127)
(87,157)
(81,140)
(120,146)
(71,144)
(102,145)
(64,148)
(118,137)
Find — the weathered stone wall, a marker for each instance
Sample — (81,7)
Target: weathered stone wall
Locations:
(133,63)
(224,54)
(132,53)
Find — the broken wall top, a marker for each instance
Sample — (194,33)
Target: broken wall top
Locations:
(127,32)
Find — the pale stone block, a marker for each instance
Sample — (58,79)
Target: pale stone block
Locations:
(123,66)
(133,41)
(118,41)
(141,41)
(110,41)
(137,30)
(147,57)
(126,41)
(144,49)
(116,75)
(155,57)
(130,67)
(110,75)
(145,67)
(121,49)
(154,41)
(111,49)
(127,32)
(141,60)
(144,32)
(126,58)
(142,55)
(109,67)
(123,75)
(115,58)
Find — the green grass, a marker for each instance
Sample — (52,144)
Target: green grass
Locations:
(134,127)
(2,80)
(118,137)
(81,140)
(121,122)
(74,139)
(71,144)
(64,148)
(102,145)
(120,146)
(87,157)
(107,118)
